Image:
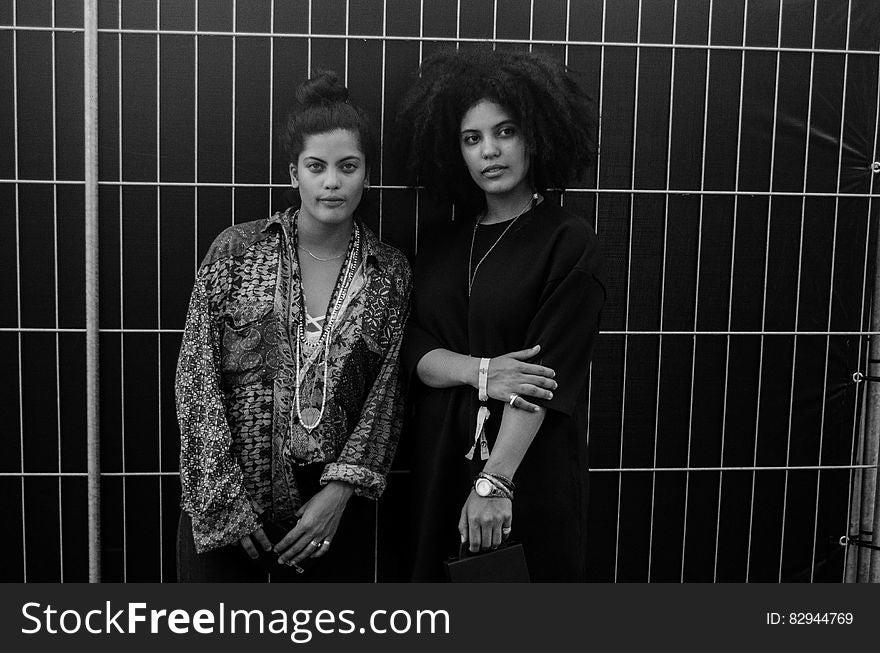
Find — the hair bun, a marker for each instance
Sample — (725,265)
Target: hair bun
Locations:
(323,87)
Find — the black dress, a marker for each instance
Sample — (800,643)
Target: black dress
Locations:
(539,285)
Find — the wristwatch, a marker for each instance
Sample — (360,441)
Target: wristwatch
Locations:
(485,488)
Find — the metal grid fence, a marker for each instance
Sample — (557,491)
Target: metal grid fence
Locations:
(740,261)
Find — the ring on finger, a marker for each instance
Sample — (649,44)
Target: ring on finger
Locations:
(506,530)
(326,543)
(316,544)
(292,563)
(513,397)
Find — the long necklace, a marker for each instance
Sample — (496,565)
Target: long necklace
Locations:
(472,271)
(311,416)
(318,258)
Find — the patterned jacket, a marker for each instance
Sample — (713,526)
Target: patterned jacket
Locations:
(236,377)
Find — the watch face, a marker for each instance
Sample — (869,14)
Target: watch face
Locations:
(483,487)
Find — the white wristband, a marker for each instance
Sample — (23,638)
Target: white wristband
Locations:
(483,379)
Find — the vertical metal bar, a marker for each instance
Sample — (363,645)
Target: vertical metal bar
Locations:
(663,272)
(421,54)
(635,132)
(92,359)
(797,298)
(122,308)
(381,223)
(531,24)
(382,115)
(421,29)
(159,271)
(763,302)
(309,43)
(494,24)
(196,141)
(794,349)
(55,279)
(729,290)
(272,98)
(869,517)
(599,111)
(271,110)
(347,28)
(234,41)
(598,155)
(18,285)
(567,27)
(457,47)
(831,290)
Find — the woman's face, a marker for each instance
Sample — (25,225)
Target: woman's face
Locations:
(494,149)
(331,174)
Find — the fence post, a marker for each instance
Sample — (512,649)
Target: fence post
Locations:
(869,559)
(90,47)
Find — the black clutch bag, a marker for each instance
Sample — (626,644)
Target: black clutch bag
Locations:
(506,564)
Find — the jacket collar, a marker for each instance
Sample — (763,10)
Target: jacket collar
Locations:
(372,247)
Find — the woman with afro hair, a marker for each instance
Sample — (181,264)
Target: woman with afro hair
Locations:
(506,308)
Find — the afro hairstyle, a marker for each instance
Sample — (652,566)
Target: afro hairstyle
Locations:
(556,116)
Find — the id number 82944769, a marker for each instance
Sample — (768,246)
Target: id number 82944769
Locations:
(809,618)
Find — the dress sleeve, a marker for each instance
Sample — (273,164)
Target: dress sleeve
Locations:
(418,341)
(566,325)
(213,490)
(367,454)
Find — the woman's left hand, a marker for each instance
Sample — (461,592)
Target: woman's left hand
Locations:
(484,520)
(318,520)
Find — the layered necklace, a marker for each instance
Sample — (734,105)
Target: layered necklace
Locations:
(310,417)
(472,271)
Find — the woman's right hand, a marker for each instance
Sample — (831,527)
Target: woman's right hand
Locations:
(510,373)
(249,542)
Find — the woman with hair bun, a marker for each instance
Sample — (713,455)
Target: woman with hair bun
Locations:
(288,392)
(505,311)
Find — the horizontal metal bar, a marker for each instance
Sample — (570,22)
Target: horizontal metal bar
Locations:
(738,333)
(603,332)
(81,474)
(614,470)
(601,191)
(753,468)
(443,39)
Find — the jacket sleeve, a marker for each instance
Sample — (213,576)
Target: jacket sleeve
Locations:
(212,483)
(367,454)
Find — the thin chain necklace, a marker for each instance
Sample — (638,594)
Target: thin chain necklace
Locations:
(472,271)
(318,258)
(311,416)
